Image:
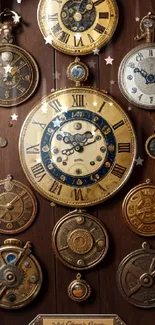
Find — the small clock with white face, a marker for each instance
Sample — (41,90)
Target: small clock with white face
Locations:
(136,76)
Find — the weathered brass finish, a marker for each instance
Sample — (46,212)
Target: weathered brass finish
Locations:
(18,206)
(79,290)
(20,274)
(136,277)
(79,240)
(86,319)
(19,73)
(139,209)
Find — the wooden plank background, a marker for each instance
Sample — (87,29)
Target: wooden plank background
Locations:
(53,295)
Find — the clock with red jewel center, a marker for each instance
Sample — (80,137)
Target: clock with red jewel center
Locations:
(77,146)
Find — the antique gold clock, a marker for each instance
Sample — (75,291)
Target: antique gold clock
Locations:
(77,26)
(77,146)
(19,73)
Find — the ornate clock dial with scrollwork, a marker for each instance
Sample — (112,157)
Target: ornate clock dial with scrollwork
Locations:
(77,147)
(77,27)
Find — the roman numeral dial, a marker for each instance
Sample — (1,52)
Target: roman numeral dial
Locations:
(77,147)
(69,27)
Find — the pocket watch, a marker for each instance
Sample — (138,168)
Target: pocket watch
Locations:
(79,290)
(20,274)
(18,71)
(18,206)
(77,27)
(136,74)
(77,146)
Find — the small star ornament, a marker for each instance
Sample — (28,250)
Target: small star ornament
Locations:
(109,60)
(129,108)
(92,64)
(44,109)
(19,1)
(139,161)
(56,123)
(137,19)
(14,117)
(8,68)
(96,51)
(56,75)
(48,39)
(112,82)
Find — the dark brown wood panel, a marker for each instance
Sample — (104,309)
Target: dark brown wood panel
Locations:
(105,295)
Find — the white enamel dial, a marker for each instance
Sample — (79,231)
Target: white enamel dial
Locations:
(137,76)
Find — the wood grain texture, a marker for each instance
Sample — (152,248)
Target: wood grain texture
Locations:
(53,296)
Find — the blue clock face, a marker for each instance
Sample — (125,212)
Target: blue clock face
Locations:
(78,148)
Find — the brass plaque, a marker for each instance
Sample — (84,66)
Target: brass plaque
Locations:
(101,319)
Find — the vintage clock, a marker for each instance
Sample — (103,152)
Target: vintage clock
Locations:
(18,71)
(77,146)
(136,74)
(77,27)
(20,274)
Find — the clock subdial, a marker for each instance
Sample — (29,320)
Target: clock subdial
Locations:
(78,148)
(18,75)
(78,16)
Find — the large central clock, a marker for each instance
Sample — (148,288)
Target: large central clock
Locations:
(77,147)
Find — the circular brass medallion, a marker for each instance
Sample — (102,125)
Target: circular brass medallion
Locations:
(18,206)
(79,240)
(135,277)
(79,290)
(139,209)
(150,146)
(20,274)
(19,75)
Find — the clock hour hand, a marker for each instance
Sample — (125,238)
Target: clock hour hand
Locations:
(149,78)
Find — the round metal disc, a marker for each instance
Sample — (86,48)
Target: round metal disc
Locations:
(20,274)
(18,207)
(3,142)
(150,146)
(136,277)
(79,240)
(139,209)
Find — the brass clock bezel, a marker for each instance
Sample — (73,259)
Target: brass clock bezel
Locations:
(147,144)
(121,72)
(34,75)
(73,51)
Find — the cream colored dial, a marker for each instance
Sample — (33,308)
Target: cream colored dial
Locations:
(77,26)
(77,147)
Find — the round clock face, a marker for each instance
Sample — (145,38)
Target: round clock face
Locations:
(137,76)
(77,147)
(18,75)
(77,27)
